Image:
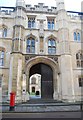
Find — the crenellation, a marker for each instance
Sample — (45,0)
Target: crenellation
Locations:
(32,8)
(28,5)
(40,7)
(36,6)
(74,17)
(7,15)
(54,9)
(45,7)
(49,10)
(6,11)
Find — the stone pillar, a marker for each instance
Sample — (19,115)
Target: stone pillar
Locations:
(15,77)
(25,95)
(67,79)
(19,82)
(55,94)
(10,77)
(65,59)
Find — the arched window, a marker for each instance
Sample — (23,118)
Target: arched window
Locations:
(5,32)
(75,36)
(30,45)
(79,59)
(51,46)
(2,58)
(78,37)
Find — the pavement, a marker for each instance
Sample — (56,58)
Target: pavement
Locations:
(45,107)
(55,111)
(43,115)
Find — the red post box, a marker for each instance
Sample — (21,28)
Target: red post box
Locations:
(12,101)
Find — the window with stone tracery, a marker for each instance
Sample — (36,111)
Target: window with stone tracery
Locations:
(77,36)
(4,32)
(1,58)
(31,22)
(51,46)
(79,59)
(30,45)
(51,24)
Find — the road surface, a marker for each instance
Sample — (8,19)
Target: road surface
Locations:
(43,115)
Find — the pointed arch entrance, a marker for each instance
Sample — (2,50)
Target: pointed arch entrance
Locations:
(48,69)
(46,73)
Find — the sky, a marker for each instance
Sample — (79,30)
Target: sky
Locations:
(70,5)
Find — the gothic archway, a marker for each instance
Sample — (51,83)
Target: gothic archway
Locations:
(49,66)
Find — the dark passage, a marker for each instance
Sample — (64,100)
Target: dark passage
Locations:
(46,79)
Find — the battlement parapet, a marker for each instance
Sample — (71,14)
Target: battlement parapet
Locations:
(73,16)
(41,8)
(36,8)
(7,11)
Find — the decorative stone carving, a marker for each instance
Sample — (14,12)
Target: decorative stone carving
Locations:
(41,28)
(41,31)
(54,58)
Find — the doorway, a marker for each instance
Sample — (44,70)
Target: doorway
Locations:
(46,73)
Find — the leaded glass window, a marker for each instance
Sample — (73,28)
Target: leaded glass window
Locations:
(51,46)
(1,58)
(79,59)
(30,45)
(77,36)
(4,32)
(31,22)
(51,24)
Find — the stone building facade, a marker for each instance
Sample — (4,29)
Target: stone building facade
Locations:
(45,41)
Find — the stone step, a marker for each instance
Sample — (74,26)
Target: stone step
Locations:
(39,101)
(42,108)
